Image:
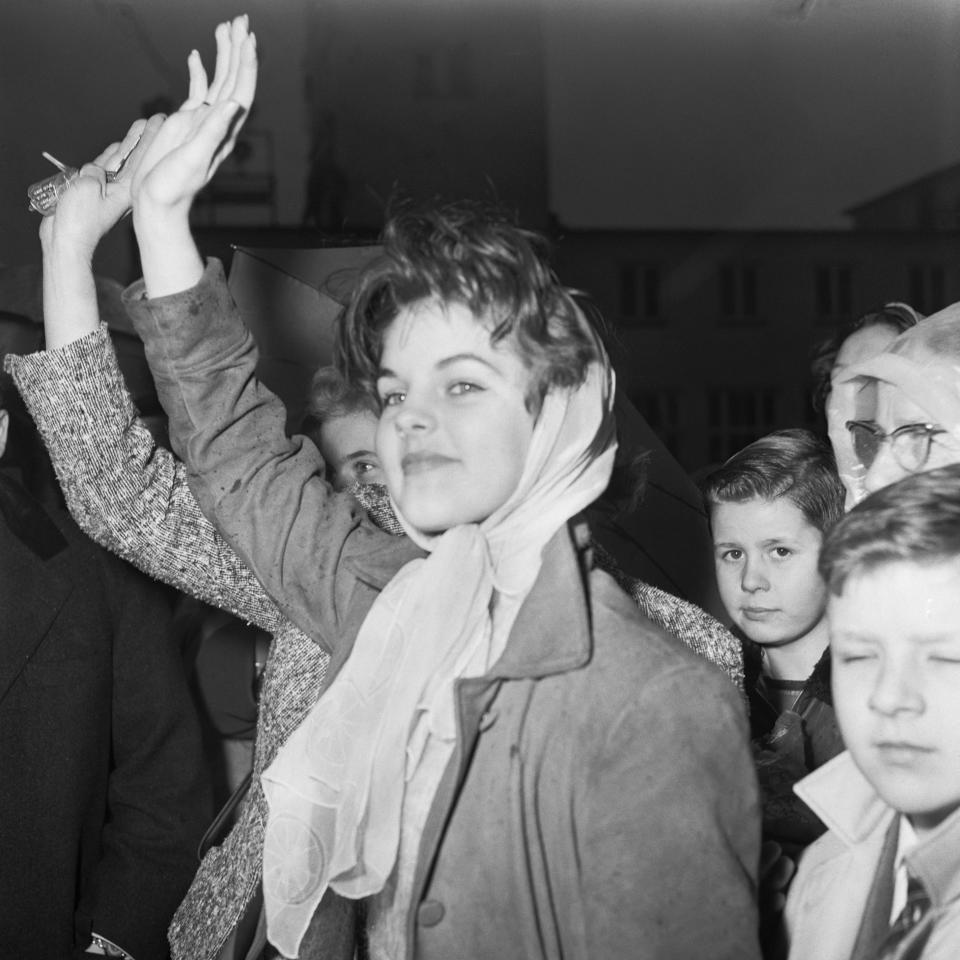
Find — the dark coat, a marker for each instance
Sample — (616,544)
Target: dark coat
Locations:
(788,745)
(103,796)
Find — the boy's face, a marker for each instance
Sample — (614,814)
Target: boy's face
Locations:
(765,554)
(454,429)
(895,650)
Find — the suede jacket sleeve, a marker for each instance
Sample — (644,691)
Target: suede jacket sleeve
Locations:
(265,491)
(124,491)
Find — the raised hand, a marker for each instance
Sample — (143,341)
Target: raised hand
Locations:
(99,195)
(96,198)
(195,140)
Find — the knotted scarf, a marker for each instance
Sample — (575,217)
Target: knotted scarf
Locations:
(336,788)
(924,364)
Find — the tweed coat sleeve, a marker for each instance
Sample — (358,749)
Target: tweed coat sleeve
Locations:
(124,491)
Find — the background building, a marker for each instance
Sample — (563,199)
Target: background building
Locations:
(713,330)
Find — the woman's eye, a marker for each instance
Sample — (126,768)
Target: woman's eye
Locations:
(782,552)
(392,399)
(363,466)
(732,555)
(462,387)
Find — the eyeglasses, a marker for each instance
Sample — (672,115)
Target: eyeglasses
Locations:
(909,444)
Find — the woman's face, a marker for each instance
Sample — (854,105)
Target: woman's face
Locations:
(455,429)
(863,344)
(895,409)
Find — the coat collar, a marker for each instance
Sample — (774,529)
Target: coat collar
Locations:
(26,519)
(552,631)
(846,802)
(33,590)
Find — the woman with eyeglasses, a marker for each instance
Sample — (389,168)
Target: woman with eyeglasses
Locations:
(898,412)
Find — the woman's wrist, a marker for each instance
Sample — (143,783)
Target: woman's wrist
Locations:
(68,250)
(168,254)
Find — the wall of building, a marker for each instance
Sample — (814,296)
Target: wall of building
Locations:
(713,343)
(445,99)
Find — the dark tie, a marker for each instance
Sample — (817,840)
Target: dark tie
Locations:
(908,933)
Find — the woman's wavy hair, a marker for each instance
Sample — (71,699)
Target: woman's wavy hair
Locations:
(899,316)
(330,396)
(469,253)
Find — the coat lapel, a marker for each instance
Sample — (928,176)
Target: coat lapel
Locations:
(32,592)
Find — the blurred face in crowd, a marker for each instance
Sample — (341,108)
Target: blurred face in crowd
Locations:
(347,444)
(863,344)
(765,554)
(919,450)
(454,428)
(895,650)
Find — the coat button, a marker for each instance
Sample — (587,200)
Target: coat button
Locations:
(487,719)
(430,913)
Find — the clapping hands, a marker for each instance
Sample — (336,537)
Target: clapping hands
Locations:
(192,143)
(162,163)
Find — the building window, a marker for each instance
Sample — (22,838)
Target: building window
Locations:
(738,416)
(927,286)
(834,289)
(640,293)
(738,292)
(661,410)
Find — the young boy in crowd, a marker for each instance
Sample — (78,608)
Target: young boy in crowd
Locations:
(769,506)
(883,882)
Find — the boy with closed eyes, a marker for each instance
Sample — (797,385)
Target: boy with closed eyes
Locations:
(884,881)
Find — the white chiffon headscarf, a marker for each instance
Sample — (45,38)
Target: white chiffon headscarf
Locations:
(924,364)
(336,788)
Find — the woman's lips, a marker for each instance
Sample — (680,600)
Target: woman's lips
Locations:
(414,463)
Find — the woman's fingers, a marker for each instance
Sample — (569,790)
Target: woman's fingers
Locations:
(94,171)
(135,150)
(222,69)
(103,159)
(246,82)
(219,133)
(239,31)
(115,163)
(197,92)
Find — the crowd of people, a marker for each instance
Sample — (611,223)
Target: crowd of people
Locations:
(477,735)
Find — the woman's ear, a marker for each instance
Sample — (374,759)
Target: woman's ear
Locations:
(4,430)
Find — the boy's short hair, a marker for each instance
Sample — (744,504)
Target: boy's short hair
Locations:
(795,464)
(331,395)
(916,520)
(467,253)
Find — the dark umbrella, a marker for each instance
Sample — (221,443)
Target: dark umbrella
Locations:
(289,300)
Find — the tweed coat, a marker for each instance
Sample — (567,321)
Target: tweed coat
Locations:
(103,795)
(133,498)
